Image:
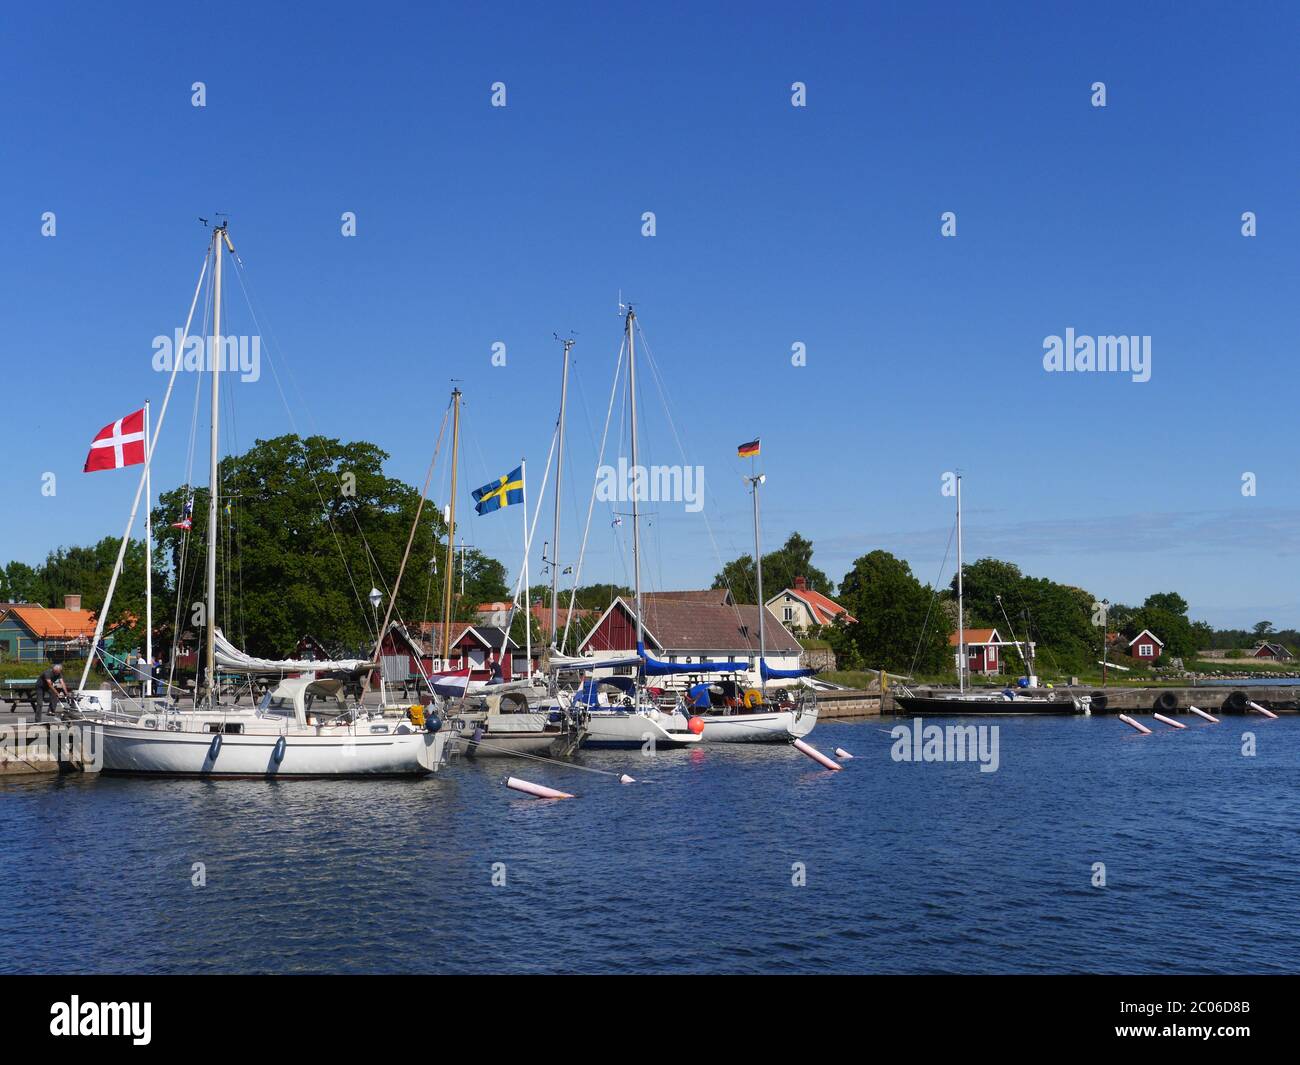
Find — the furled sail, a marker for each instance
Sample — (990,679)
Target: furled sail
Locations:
(231,658)
(655,668)
(579,662)
(769,673)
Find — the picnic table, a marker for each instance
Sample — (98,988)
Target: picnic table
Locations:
(19,688)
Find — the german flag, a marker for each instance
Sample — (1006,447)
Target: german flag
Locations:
(748,451)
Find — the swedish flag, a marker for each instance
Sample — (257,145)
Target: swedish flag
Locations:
(506,489)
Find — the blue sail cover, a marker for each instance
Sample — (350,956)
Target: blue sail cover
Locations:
(698,696)
(653,667)
(768,673)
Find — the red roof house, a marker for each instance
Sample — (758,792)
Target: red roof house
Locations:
(1146,646)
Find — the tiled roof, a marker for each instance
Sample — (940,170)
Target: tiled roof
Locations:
(974,636)
(54,624)
(710,596)
(683,625)
(824,610)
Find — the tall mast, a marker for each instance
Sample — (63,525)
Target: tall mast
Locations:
(559,469)
(449,578)
(148,559)
(961,619)
(219,237)
(636,480)
(755,481)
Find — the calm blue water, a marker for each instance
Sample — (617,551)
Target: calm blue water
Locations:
(1268,683)
(910,867)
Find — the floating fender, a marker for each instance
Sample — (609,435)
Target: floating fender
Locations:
(1235,702)
(1136,724)
(816,755)
(1099,701)
(1201,713)
(840,752)
(1165,701)
(625,779)
(278,754)
(214,748)
(1262,710)
(432,722)
(1169,721)
(538,790)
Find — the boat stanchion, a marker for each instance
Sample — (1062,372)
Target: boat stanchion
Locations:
(816,755)
(840,752)
(1262,710)
(537,790)
(1169,721)
(1201,713)
(1136,724)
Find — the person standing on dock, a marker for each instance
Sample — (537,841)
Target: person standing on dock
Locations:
(51,683)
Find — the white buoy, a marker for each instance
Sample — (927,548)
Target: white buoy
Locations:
(529,788)
(840,752)
(625,779)
(1202,713)
(1136,724)
(816,755)
(1168,720)
(1266,713)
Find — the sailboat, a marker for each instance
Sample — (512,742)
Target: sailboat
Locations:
(759,722)
(504,717)
(279,737)
(636,719)
(988,701)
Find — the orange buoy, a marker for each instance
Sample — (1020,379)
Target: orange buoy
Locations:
(696,725)
(816,755)
(1136,724)
(1168,720)
(537,790)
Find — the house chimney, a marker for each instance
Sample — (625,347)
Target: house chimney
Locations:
(800,584)
(72,602)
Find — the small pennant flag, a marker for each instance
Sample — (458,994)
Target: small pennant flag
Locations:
(748,451)
(506,489)
(118,444)
(187,516)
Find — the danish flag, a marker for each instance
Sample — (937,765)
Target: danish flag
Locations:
(119,444)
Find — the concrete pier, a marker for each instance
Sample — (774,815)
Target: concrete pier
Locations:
(24,745)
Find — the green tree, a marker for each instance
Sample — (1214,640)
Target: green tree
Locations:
(780,568)
(19,584)
(891,630)
(310,526)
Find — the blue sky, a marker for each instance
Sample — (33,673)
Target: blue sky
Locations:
(775,225)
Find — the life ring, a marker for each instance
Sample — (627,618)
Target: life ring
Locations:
(753,698)
(277,755)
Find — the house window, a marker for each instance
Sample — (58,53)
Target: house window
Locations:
(1145,650)
(789,614)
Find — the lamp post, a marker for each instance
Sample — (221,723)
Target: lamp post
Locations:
(1105,638)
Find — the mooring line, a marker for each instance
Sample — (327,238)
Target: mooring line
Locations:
(539,758)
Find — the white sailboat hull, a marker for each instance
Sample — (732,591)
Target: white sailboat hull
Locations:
(627,729)
(776,727)
(135,749)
